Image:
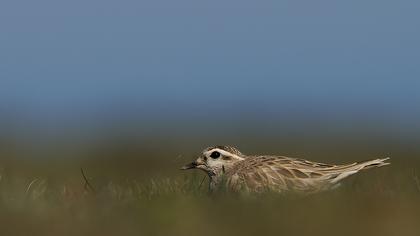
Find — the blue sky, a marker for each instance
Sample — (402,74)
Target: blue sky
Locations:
(63,61)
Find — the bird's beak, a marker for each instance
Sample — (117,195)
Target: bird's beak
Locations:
(192,165)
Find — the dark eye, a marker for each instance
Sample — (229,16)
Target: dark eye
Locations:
(215,155)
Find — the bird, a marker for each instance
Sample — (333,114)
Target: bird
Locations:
(230,169)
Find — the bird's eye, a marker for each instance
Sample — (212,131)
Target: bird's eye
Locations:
(215,155)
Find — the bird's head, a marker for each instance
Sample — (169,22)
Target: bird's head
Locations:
(216,160)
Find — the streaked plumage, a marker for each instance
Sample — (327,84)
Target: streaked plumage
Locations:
(227,166)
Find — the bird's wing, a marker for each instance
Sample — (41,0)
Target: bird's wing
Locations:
(276,173)
(283,173)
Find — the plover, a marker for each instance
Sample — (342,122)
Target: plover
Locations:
(228,167)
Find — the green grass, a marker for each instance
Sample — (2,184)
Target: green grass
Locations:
(378,202)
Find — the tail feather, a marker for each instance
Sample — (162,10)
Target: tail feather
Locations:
(373,163)
(358,167)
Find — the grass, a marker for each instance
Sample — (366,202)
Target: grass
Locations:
(380,202)
(140,191)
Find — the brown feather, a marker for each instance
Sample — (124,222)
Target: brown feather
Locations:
(281,173)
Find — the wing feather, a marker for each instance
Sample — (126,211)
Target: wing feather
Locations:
(284,173)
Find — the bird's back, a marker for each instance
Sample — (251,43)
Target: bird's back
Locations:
(279,173)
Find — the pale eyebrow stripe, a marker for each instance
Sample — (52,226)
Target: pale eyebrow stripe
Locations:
(223,152)
(219,150)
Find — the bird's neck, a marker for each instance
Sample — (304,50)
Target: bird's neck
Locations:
(217,180)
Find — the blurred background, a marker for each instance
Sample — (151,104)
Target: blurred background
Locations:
(134,89)
(298,78)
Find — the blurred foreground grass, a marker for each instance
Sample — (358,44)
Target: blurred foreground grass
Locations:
(140,191)
(385,201)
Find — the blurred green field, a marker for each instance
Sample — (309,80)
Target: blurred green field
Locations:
(137,197)
(139,189)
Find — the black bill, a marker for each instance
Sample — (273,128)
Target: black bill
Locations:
(192,165)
